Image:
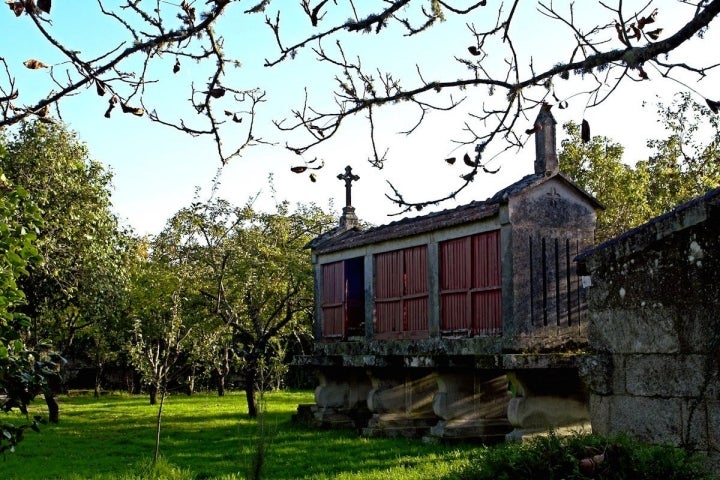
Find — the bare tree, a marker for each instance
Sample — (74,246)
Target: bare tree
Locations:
(607,44)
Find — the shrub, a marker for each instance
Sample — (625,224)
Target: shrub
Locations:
(582,457)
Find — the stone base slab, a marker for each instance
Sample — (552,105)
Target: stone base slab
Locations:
(399,425)
(487,431)
(331,418)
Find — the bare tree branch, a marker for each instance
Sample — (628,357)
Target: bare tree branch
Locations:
(614,45)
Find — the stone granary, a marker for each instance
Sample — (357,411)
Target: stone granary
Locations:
(457,324)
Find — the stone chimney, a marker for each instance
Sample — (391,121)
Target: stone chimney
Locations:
(546,160)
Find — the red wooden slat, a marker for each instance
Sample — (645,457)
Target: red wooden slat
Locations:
(455,312)
(415,269)
(487,309)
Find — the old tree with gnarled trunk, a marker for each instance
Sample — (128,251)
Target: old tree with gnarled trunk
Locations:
(249,282)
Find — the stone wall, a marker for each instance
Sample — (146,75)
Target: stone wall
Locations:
(654,330)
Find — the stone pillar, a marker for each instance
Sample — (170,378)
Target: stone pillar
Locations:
(340,399)
(547,399)
(401,404)
(471,405)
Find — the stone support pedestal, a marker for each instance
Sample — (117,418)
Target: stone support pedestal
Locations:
(549,399)
(471,405)
(341,399)
(401,405)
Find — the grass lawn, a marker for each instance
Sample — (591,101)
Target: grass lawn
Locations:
(206,436)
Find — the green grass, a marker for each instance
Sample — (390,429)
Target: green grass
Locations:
(210,437)
(206,436)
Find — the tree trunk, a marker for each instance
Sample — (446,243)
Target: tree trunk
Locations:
(157,427)
(153,394)
(53,407)
(221,385)
(98,380)
(250,380)
(220,382)
(191,381)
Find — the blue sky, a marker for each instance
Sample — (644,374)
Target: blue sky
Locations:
(157,170)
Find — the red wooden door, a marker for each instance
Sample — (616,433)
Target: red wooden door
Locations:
(333,300)
(401,293)
(470,285)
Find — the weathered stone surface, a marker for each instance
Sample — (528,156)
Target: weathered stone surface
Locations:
(412,396)
(695,327)
(599,407)
(545,412)
(648,329)
(665,375)
(713,436)
(338,389)
(655,420)
(696,426)
(471,395)
(597,373)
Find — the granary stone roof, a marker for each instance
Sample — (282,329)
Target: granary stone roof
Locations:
(342,239)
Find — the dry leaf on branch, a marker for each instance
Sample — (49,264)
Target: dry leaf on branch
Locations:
(473,51)
(134,110)
(176,67)
(216,92)
(468,161)
(313,177)
(536,128)
(44,5)
(298,169)
(33,64)
(17,7)
(654,34)
(450,160)
(12,96)
(585,131)
(42,112)
(649,19)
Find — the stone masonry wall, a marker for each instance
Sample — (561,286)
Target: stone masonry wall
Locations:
(655,330)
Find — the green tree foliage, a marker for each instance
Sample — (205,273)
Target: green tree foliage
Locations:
(81,282)
(253,277)
(21,370)
(598,168)
(684,165)
(157,311)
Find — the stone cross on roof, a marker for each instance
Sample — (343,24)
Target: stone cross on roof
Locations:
(348,219)
(349,178)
